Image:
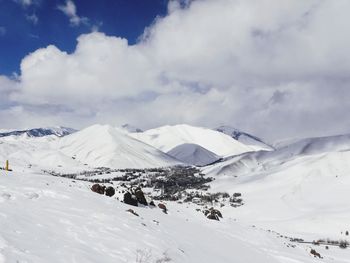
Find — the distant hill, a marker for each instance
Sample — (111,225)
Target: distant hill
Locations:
(40,132)
(245,138)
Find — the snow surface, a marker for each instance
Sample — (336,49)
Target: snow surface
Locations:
(50,219)
(105,146)
(193,154)
(252,141)
(94,146)
(168,137)
(302,188)
(38,152)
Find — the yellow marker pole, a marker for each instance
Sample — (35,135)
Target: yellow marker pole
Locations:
(7,165)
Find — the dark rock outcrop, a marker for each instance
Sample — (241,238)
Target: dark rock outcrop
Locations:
(163,207)
(129,199)
(140,196)
(110,191)
(315,253)
(97,188)
(132,212)
(213,214)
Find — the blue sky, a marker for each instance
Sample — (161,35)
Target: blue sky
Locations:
(27,26)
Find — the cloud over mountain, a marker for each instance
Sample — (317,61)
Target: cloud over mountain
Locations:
(253,64)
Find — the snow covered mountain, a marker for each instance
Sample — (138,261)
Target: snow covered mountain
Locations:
(104,145)
(40,132)
(305,184)
(94,146)
(298,191)
(248,162)
(193,154)
(168,137)
(252,141)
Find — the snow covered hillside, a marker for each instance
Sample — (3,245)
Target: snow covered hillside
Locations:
(50,219)
(92,147)
(252,141)
(252,161)
(103,145)
(193,154)
(168,137)
(271,201)
(37,152)
(301,189)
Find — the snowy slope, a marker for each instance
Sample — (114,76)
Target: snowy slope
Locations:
(307,196)
(168,137)
(103,145)
(193,154)
(317,145)
(300,189)
(49,219)
(264,159)
(95,146)
(23,151)
(252,141)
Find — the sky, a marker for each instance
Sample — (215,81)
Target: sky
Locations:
(277,69)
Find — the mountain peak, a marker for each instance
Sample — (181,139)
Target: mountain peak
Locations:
(40,132)
(107,146)
(246,138)
(168,137)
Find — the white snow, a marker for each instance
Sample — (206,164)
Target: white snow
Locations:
(168,137)
(23,151)
(300,190)
(103,145)
(50,219)
(95,146)
(252,141)
(193,154)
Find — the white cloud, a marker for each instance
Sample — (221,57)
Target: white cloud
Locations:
(27,3)
(33,18)
(24,3)
(275,68)
(70,10)
(7,87)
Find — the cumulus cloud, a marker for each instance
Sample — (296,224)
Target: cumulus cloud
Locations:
(70,10)
(274,68)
